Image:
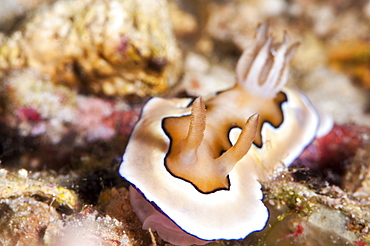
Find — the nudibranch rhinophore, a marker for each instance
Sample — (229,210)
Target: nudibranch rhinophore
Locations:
(195,165)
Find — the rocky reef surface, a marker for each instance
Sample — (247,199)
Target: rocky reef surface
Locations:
(74,76)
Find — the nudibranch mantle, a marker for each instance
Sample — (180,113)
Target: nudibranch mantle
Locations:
(286,123)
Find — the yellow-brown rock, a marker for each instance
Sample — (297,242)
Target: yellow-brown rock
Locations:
(107,47)
(352,58)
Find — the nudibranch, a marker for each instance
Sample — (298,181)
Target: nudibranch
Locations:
(195,165)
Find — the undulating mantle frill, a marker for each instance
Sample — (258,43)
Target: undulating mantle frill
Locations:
(195,166)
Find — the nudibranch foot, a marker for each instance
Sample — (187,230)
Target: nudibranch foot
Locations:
(156,221)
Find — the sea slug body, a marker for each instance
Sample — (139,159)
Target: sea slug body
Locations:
(197,164)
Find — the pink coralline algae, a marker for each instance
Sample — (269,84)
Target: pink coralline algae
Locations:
(28,114)
(93,114)
(100,119)
(92,119)
(360,243)
(40,108)
(328,155)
